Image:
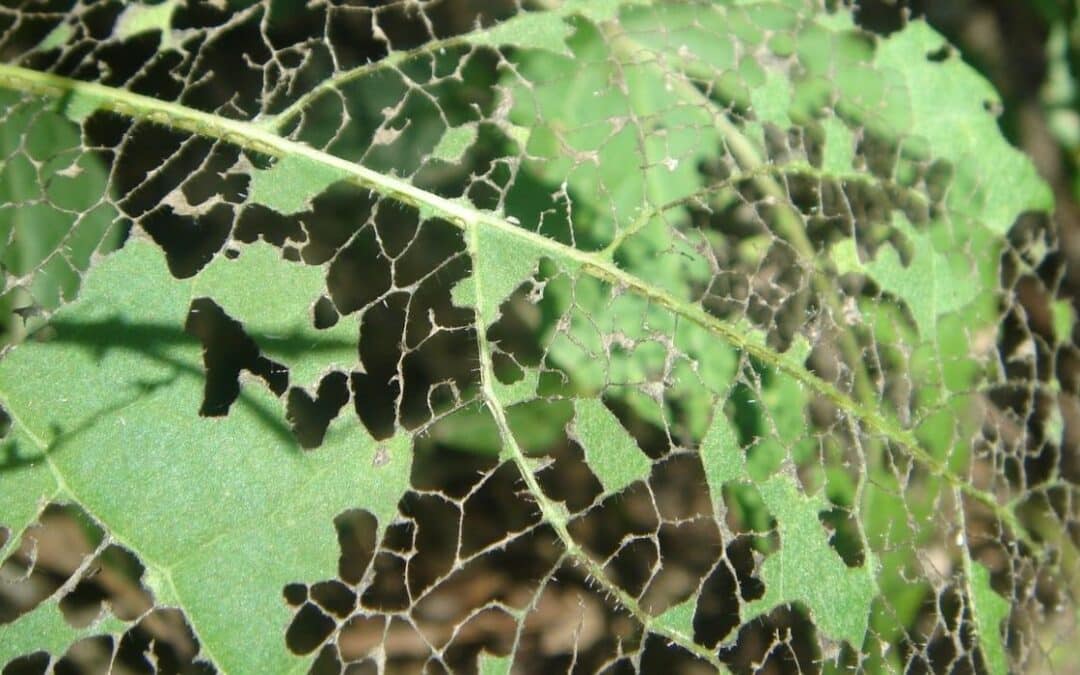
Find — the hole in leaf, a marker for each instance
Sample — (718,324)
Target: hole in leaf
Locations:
(617,517)
(679,483)
(337,215)
(400,230)
(639,415)
(490,630)
(376,390)
(295,594)
(942,53)
(688,550)
(334,597)
(634,564)
(388,591)
(161,642)
(227,74)
(49,552)
(83,605)
(228,350)
(939,176)
(730,583)
(356,536)
(883,16)
(87,654)
(781,641)
(844,538)
(310,418)
(260,222)
(880,155)
(29,664)
(360,635)
(131,62)
(660,655)
(328,662)
(569,479)
(575,626)
(151,160)
(405,336)
(436,539)
(499,493)
(360,274)
(189,242)
(213,181)
(308,630)
(325,314)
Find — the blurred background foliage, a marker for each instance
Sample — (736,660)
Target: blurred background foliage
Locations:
(1030,52)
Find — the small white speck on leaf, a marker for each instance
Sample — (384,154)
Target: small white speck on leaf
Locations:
(381,458)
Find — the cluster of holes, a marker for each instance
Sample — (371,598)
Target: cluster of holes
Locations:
(65,556)
(383,273)
(438,598)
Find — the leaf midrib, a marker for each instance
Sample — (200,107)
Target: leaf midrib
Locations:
(257,138)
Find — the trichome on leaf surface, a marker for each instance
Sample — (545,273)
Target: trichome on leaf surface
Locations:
(519,337)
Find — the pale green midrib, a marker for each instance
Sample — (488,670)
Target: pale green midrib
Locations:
(550,511)
(257,138)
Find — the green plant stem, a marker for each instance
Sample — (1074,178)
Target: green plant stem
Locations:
(552,513)
(257,138)
(789,224)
